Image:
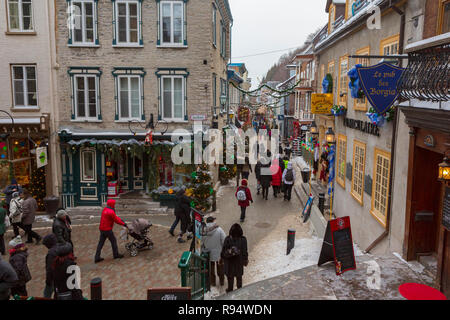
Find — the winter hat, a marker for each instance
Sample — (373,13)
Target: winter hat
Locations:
(16,243)
(61,213)
(15,194)
(49,240)
(210,219)
(13,181)
(244,182)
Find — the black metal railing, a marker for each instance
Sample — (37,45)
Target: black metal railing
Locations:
(427,76)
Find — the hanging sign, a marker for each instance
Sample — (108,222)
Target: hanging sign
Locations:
(321,103)
(338,245)
(41,156)
(379,83)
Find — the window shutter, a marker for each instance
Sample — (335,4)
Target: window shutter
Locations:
(114,41)
(185,23)
(69,10)
(97,41)
(141,38)
(158,24)
(99,98)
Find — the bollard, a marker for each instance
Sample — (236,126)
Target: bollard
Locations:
(96,289)
(322,202)
(290,240)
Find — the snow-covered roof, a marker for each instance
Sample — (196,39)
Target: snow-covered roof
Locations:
(368,9)
(21,121)
(430,42)
(84,132)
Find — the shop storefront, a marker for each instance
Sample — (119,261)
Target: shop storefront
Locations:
(101,167)
(19,158)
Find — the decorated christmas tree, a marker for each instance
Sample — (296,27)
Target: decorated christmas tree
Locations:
(37,186)
(202,190)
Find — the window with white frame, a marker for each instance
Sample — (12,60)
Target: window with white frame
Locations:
(127,22)
(172,22)
(20,15)
(88,167)
(130,89)
(173,95)
(83,22)
(86,97)
(24,85)
(214,25)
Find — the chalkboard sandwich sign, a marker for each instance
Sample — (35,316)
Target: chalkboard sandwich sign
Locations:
(338,245)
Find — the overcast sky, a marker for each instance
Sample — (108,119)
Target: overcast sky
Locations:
(268,25)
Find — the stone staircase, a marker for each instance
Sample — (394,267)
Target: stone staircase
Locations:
(140,206)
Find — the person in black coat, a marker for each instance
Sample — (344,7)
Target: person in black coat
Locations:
(258,176)
(51,243)
(62,227)
(235,256)
(62,273)
(183,212)
(266,177)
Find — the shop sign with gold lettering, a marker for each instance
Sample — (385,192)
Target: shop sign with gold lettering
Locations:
(379,84)
(321,103)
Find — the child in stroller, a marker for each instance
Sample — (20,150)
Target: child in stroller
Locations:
(139,231)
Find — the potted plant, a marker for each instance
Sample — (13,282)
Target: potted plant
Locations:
(338,110)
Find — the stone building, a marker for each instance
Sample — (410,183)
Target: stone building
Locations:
(363,157)
(125,67)
(28,100)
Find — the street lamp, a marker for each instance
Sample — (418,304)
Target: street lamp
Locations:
(330,136)
(223,100)
(313,128)
(444,170)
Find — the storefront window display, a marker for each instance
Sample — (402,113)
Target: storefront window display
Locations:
(21,168)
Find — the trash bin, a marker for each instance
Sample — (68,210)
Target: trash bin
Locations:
(305,175)
(51,205)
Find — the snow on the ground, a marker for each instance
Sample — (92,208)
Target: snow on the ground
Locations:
(414,265)
(273,261)
(44,218)
(301,162)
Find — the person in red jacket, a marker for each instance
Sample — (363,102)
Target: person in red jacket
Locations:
(277,175)
(243,200)
(107,221)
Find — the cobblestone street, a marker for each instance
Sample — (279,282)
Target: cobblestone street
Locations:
(123,279)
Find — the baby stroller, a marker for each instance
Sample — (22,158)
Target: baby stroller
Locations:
(139,231)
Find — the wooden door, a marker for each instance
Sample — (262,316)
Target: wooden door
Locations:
(425,206)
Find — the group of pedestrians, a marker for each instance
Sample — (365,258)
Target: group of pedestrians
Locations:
(228,255)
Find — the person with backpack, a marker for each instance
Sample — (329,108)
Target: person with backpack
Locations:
(277,173)
(212,243)
(288,181)
(61,274)
(235,256)
(18,260)
(15,212)
(244,197)
(9,190)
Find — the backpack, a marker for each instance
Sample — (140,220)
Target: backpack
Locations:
(289,177)
(241,195)
(19,210)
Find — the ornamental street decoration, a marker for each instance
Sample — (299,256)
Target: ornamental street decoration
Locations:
(379,83)
(41,155)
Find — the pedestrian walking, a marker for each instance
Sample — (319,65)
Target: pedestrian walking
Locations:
(288,181)
(29,212)
(183,213)
(107,221)
(266,177)
(277,175)
(288,151)
(62,227)
(8,278)
(50,242)
(61,274)
(18,260)
(235,256)
(246,169)
(244,196)
(4,224)
(258,176)
(9,190)
(212,243)
(15,212)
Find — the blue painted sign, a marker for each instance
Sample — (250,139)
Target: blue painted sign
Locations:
(379,83)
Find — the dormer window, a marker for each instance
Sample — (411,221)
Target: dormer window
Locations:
(331,18)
